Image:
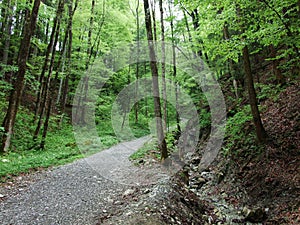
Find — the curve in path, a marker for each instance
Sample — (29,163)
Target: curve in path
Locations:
(79,192)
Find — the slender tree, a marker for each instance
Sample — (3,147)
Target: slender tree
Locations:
(69,34)
(174,62)
(260,131)
(154,70)
(42,80)
(136,105)
(163,64)
(47,80)
(18,84)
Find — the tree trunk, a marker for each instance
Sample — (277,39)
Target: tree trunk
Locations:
(7,32)
(42,81)
(45,96)
(89,48)
(68,56)
(260,131)
(160,134)
(152,4)
(175,72)
(136,105)
(18,84)
(97,41)
(163,65)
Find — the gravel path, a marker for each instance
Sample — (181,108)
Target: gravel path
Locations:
(80,192)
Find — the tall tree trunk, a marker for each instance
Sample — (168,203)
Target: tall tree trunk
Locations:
(42,81)
(53,84)
(260,131)
(68,59)
(136,105)
(175,71)
(163,64)
(7,32)
(152,4)
(80,110)
(18,84)
(45,96)
(95,46)
(89,48)
(157,110)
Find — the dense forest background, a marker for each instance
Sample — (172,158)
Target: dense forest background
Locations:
(52,50)
(47,47)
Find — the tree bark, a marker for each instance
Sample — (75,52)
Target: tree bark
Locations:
(136,105)
(260,131)
(42,81)
(45,93)
(18,83)
(68,56)
(89,48)
(163,65)
(157,109)
(7,32)
(175,72)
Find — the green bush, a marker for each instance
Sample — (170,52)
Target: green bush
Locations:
(240,136)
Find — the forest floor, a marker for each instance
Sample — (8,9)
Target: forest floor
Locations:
(107,188)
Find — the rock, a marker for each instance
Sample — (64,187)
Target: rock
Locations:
(256,215)
(220,177)
(146,191)
(195,160)
(201,180)
(2,196)
(128,192)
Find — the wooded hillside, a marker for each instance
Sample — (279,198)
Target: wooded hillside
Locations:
(183,70)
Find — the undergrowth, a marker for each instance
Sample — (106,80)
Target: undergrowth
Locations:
(148,149)
(61,147)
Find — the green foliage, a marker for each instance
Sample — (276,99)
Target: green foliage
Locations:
(170,140)
(148,149)
(240,136)
(205,118)
(58,151)
(5,87)
(268,91)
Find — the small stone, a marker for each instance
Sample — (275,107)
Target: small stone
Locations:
(1,196)
(118,203)
(128,192)
(195,160)
(201,180)
(224,195)
(110,200)
(5,160)
(146,191)
(256,215)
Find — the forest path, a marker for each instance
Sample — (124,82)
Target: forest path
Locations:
(81,192)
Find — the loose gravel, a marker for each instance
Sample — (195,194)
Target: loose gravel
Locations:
(80,192)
